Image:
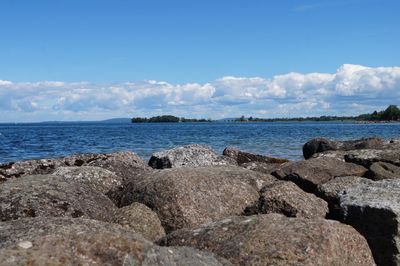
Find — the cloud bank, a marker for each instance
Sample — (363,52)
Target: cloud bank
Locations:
(353,89)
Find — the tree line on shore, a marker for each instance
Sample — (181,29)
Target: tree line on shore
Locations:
(391,113)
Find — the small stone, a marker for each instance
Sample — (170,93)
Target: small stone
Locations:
(25,244)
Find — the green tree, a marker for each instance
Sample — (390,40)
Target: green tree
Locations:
(391,113)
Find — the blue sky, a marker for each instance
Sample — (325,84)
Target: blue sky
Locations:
(91,47)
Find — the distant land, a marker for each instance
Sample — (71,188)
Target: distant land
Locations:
(391,113)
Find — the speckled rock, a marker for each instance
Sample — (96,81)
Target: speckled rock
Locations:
(381,170)
(242,157)
(367,157)
(98,178)
(331,191)
(188,197)
(339,155)
(374,209)
(124,164)
(140,219)
(310,173)
(188,156)
(288,199)
(322,144)
(273,239)
(47,195)
(65,241)
(266,168)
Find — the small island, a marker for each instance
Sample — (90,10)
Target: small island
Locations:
(167,119)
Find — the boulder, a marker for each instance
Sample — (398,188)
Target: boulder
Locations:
(98,178)
(242,157)
(339,155)
(65,241)
(266,168)
(331,191)
(140,219)
(188,197)
(322,144)
(381,170)
(273,239)
(288,199)
(374,210)
(124,164)
(51,196)
(188,156)
(367,157)
(310,173)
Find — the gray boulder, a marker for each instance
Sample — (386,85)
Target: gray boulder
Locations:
(288,199)
(51,196)
(188,197)
(124,164)
(308,174)
(140,219)
(381,170)
(318,145)
(374,209)
(98,178)
(273,239)
(188,156)
(242,157)
(65,241)
(331,191)
(367,157)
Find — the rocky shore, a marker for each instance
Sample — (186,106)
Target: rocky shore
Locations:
(192,206)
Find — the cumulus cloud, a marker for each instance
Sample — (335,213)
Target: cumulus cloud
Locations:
(351,90)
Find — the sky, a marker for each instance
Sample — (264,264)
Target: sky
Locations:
(98,59)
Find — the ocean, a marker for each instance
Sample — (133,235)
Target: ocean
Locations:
(280,139)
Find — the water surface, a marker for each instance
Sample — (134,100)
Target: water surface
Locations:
(32,141)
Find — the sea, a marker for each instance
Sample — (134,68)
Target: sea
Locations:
(279,139)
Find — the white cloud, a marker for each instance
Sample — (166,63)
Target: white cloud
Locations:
(351,89)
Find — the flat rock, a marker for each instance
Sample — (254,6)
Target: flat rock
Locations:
(273,239)
(188,197)
(318,145)
(66,241)
(188,156)
(373,209)
(124,164)
(98,178)
(288,199)
(242,157)
(308,174)
(331,191)
(266,168)
(140,219)
(381,170)
(367,157)
(51,196)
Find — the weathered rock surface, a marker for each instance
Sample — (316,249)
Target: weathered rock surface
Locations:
(374,209)
(331,191)
(242,157)
(64,241)
(381,170)
(124,164)
(273,239)
(288,199)
(310,173)
(322,144)
(339,155)
(266,168)
(367,157)
(188,197)
(47,195)
(188,156)
(98,178)
(140,219)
